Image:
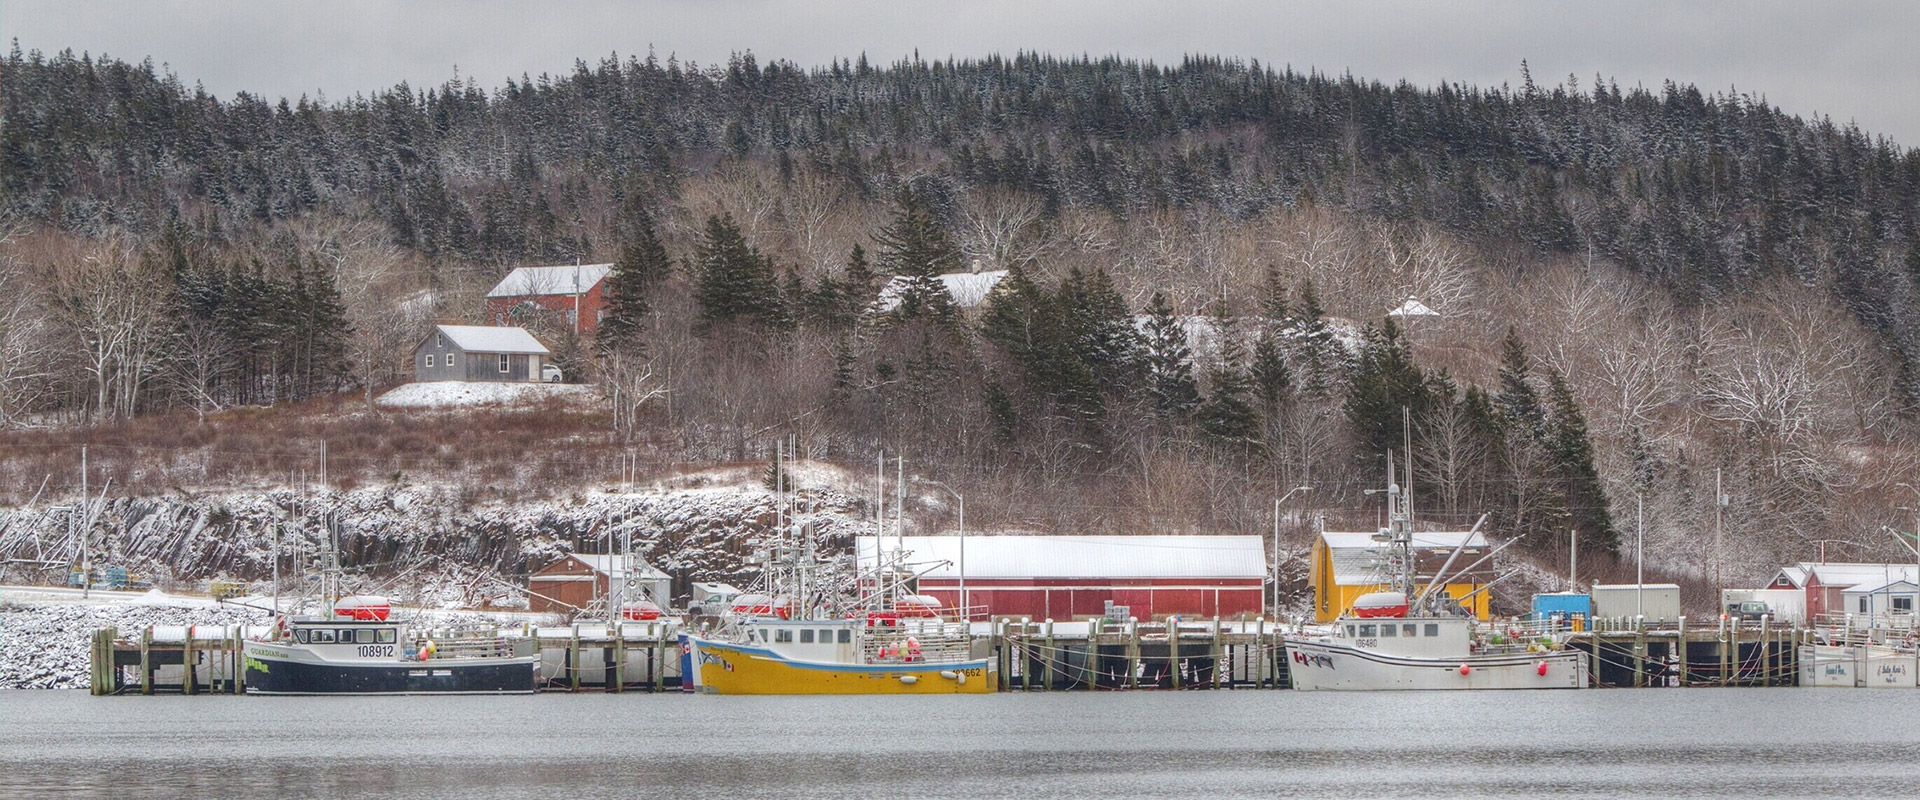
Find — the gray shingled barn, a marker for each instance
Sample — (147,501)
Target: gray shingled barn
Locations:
(478,353)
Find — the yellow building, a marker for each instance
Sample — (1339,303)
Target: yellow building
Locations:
(1348,565)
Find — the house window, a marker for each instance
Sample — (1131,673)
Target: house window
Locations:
(1863,604)
(503,362)
(1903,605)
(429,361)
(440,340)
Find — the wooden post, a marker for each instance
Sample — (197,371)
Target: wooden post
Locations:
(1260,652)
(1219,652)
(1682,660)
(1766,650)
(618,678)
(1173,649)
(1001,654)
(146,660)
(1729,650)
(573,658)
(94,681)
(187,659)
(1052,652)
(239,684)
(1133,653)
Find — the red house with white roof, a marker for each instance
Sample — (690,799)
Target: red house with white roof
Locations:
(577,292)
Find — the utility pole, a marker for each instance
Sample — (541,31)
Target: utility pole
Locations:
(1275,565)
(86,530)
(1639,554)
(1719,504)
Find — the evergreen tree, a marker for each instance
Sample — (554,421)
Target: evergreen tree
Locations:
(1384,382)
(1168,360)
(917,250)
(1100,330)
(1585,499)
(641,265)
(1517,400)
(734,282)
(1271,377)
(1227,416)
(1319,355)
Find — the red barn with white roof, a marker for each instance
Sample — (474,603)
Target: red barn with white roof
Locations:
(1069,577)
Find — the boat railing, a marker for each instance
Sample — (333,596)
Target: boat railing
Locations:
(917,643)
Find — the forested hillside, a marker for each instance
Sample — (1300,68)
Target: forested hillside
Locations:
(1637,291)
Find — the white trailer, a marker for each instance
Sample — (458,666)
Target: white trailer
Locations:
(1658,602)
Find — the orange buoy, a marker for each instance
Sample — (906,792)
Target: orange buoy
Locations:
(1466,669)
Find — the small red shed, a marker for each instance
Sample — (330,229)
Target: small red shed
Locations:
(578,580)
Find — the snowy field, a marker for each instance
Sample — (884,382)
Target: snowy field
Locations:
(466,394)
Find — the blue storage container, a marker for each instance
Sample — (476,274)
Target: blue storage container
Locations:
(1566,605)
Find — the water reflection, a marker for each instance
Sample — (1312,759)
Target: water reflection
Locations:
(1677,743)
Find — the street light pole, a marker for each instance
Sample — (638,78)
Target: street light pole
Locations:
(1276,544)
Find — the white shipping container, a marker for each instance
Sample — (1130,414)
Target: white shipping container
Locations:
(1658,602)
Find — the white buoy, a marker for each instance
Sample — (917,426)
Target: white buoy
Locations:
(909,679)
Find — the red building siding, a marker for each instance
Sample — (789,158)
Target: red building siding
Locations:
(1064,599)
(592,304)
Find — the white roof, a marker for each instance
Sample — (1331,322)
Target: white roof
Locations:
(968,289)
(1853,573)
(1358,560)
(1088,557)
(1413,308)
(492,339)
(1797,576)
(1877,587)
(610,565)
(533,281)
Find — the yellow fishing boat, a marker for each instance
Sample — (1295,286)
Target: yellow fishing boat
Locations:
(848,656)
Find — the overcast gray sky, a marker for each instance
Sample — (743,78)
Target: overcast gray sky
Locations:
(1848,60)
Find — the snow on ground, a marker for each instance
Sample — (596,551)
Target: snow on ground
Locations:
(429,546)
(467,394)
(44,646)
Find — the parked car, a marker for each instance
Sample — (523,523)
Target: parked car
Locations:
(1748,610)
(550,373)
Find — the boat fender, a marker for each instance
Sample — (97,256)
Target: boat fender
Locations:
(1541,669)
(949,674)
(1466,669)
(909,679)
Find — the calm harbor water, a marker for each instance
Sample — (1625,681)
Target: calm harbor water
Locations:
(1672,743)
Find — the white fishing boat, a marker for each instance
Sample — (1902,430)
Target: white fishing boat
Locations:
(354,645)
(1414,636)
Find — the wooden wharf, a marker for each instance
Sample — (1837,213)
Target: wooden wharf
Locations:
(1031,655)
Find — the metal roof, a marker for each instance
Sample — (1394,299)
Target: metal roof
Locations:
(537,281)
(610,566)
(1853,573)
(1085,557)
(1881,587)
(492,339)
(1358,560)
(968,289)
